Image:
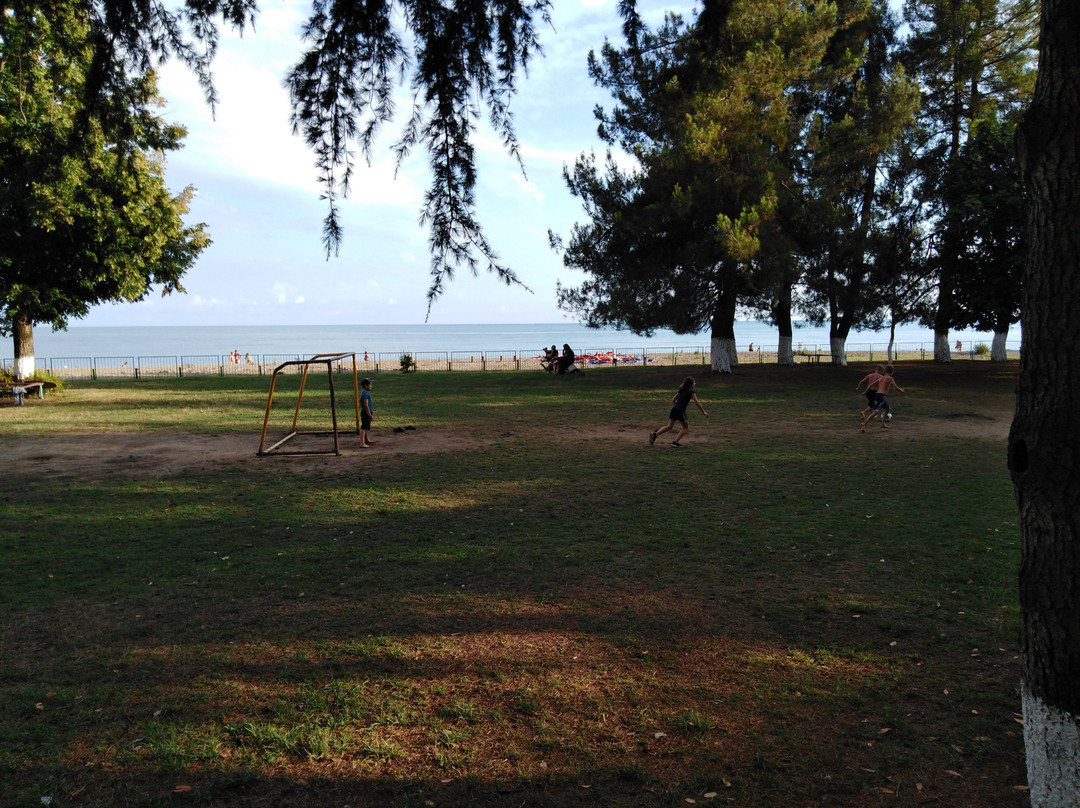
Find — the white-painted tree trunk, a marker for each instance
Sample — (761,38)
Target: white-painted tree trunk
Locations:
(941,348)
(24,367)
(1044,441)
(1052,743)
(23,336)
(998,352)
(723,348)
(838,349)
(784,356)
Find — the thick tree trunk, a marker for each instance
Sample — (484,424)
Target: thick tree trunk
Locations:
(1044,443)
(942,352)
(941,348)
(838,349)
(724,354)
(784,356)
(998,351)
(723,348)
(23,333)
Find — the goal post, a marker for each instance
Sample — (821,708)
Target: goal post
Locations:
(328,360)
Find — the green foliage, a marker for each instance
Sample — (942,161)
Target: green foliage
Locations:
(976,64)
(986,211)
(85,215)
(407,363)
(707,110)
(7,379)
(848,180)
(459,54)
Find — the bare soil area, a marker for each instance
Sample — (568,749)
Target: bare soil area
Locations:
(163,454)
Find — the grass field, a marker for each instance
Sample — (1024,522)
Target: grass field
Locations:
(518,603)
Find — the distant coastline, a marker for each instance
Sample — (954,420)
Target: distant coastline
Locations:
(124,341)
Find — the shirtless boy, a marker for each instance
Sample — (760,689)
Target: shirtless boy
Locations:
(881,404)
(870,379)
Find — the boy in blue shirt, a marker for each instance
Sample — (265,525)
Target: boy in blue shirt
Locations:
(367,413)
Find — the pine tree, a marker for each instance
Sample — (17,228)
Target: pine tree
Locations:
(858,122)
(985,207)
(707,111)
(974,61)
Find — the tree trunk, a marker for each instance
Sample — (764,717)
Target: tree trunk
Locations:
(1044,443)
(23,333)
(781,314)
(941,348)
(998,351)
(946,303)
(723,348)
(724,354)
(838,349)
(892,338)
(784,356)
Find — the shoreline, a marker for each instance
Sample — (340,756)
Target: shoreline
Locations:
(145,367)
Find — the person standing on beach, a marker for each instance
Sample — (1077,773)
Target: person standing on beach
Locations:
(367,413)
(881,403)
(870,379)
(679,403)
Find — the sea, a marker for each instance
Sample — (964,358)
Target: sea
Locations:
(420,339)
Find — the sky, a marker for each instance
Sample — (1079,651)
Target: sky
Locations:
(257,193)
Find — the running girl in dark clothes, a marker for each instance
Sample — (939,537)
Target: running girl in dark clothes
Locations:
(679,403)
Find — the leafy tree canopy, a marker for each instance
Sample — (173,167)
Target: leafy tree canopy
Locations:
(85,215)
(711,112)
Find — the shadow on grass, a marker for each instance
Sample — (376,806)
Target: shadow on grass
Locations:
(539,620)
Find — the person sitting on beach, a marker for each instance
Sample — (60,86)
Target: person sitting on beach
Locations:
(551,356)
(567,358)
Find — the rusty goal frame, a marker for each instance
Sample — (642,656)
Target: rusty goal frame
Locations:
(318,359)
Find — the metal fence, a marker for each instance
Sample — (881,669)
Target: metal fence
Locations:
(148,367)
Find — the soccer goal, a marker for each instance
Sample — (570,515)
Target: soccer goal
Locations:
(329,361)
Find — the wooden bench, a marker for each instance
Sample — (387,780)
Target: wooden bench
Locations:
(25,388)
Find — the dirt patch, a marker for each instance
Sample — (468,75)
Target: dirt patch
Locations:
(164,454)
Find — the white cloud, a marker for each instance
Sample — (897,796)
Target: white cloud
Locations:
(249,135)
(259,195)
(283,291)
(199,300)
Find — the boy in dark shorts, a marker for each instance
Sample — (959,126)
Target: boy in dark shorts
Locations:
(870,379)
(881,403)
(367,413)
